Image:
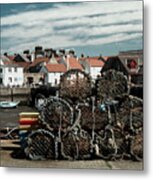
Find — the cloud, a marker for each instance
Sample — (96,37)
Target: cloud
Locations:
(114,38)
(27,33)
(102,20)
(65,25)
(79,10)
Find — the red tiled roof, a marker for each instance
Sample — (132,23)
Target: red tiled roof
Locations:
(74,64)
(22,64)
(11,57)
(82,58)
(39,60)
(106,57)
(56,68)
(94,62)
(7,62)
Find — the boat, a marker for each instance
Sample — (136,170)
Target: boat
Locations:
(9,104)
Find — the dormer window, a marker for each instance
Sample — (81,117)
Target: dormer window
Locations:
(131,64)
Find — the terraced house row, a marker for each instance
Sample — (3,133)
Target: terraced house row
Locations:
(45,66)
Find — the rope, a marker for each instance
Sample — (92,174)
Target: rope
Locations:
(93,117)
(9,132)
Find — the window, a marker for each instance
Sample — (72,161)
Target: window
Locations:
(1,70)
(55,81)
(10,69)
(15,69)
(10,79)
(1,81)
(30,80)
(132,64)
(15,79)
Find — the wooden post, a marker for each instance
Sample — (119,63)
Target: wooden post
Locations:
(11,93)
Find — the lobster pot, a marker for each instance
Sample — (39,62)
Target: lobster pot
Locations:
(128,102)
(131,119)
(75,85)
(121,144)
(40,145)
(130,112)
(137,146)
(104,147)
(137,118)
(113,83)
(57,114)
(76,146)
(135,101)
(89,120)
(123,118)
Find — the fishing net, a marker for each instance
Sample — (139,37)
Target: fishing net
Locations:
(40,145)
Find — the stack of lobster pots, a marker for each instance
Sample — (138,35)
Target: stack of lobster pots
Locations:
(84,124)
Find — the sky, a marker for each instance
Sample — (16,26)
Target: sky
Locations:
(92,28)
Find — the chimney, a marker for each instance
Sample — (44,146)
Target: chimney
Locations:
(1,63)
(67,63)
(26,52)
(5,54)
(32,57)
(39,51)
(62,51)
(82,55)
(101,58)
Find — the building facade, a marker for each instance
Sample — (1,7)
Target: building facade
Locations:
(11,75)
(92,66)
(52,73)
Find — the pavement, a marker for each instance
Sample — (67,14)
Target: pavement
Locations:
(10,147)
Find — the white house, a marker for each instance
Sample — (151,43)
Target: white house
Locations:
(53,73)
(92,66)
(11,75)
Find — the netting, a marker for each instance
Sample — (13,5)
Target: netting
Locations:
(75,85)
(107,127)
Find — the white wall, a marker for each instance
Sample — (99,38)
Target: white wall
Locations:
(94,71)
(1,75)
(54,78)
(85,66)
(12,78)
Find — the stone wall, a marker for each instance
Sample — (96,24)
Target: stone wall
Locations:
(15,94)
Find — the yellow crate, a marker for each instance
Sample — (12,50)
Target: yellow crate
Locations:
(29,115)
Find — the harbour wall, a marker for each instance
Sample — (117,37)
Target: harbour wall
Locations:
(21,94)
